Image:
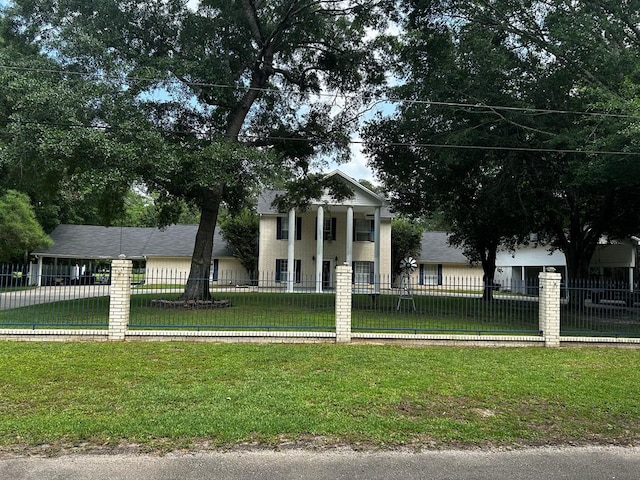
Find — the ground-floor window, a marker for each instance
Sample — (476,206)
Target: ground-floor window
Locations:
(282,268)
(430,274)
(363,272)
(215,269)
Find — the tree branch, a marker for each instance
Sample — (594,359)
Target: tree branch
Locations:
(252,15)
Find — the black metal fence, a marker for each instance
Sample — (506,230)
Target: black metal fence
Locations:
(237,303)
(270,303)
(57,305)
(451,305)
(599,308)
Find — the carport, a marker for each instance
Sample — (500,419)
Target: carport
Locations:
(78,249)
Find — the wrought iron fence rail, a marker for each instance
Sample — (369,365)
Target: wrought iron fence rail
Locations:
(270,303)
(23,304)
(455,306)
(237,303)
(600,308)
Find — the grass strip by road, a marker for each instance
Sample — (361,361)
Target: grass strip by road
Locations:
(163,396)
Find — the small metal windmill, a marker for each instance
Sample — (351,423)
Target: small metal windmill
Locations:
(408,265)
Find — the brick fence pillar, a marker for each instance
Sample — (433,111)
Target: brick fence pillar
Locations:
(120,298)
(549,307)
(343,303)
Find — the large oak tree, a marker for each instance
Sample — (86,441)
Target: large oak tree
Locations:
(443,67)
(217,82)
(502,127)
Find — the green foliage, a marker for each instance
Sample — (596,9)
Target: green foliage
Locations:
(497,173)
(301,192)
(50,146)
(367,184)
(20,232)
(241,231)
(472,189)
(220,99)
(406,241)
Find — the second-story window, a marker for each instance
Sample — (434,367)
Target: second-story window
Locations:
(282,228)
(328,229)
(363,230)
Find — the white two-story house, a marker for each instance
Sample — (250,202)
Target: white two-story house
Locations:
(302,248)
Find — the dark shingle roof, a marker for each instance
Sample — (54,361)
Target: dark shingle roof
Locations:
(96,242)
(436,249)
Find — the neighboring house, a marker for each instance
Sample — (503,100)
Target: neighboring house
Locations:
(441,264)
(166,253)
(302,248)
(615,261)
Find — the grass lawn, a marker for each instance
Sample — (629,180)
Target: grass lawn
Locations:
(80,313)
(164,396)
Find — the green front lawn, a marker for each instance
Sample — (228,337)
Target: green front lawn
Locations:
(80,313)
(174,395)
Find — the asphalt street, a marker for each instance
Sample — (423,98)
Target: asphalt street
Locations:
(593,463)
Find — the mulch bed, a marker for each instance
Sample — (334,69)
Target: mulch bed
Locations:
(191,304)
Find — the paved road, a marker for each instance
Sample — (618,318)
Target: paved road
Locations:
(597,463)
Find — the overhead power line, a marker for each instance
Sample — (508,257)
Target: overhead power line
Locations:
(391,100)
(268,138)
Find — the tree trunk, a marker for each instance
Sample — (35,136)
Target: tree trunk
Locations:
(197,287)
(578,255)
(489,269)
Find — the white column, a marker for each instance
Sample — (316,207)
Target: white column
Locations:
(349,237)
(319,248)
(291,250)
(39,271)
(376,251)
(120,298)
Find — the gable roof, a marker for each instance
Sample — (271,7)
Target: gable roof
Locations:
(363,197)
(436,249)
(98,242)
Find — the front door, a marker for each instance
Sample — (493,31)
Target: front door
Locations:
(326,273)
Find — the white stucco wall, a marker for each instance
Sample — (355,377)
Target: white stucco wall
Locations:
(167,270)
(453,274)
(605,255)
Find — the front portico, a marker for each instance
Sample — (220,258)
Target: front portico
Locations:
(305,247)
